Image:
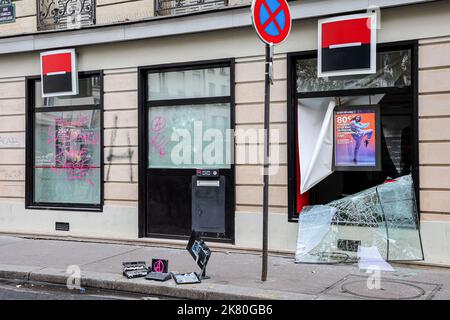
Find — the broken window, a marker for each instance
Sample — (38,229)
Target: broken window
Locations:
(310,127)
(384,216)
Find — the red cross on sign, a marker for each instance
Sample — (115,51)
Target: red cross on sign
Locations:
(272,20)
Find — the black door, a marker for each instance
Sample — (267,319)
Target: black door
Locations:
(187,117)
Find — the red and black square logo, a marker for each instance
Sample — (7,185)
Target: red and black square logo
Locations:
(347,45)
(58,73)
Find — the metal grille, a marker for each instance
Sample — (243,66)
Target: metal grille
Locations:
(174,7)
(62,226)
(65,14)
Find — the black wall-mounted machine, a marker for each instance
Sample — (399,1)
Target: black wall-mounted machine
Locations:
(208,201)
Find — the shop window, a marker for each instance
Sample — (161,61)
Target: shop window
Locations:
(168,125)
(203,114)
(391,88)
(185,84)
(65,147)
(393,71)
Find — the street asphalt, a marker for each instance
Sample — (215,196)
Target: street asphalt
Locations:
(17,290)
(233,275)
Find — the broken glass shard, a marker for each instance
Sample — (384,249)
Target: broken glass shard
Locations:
(384,216)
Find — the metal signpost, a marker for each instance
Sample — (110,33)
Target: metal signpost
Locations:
(272,22)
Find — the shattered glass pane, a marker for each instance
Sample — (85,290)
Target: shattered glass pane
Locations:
(399,207)
(383,216)
(314,225)
(394,70)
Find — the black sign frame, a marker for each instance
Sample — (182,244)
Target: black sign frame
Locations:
(375,109)
(199,251)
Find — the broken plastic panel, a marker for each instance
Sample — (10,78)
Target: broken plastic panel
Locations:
(384,216)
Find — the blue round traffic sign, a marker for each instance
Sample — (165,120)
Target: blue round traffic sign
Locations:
(271,19)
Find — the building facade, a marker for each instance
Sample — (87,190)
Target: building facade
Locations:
(98,162)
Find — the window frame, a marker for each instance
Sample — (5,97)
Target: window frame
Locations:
(30,112)
(293,95)
(144,104)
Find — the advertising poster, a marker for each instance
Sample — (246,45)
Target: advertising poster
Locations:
(357,138)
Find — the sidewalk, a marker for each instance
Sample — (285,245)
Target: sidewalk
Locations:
(233,275)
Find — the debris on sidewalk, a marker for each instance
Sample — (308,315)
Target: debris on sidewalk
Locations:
(134,269)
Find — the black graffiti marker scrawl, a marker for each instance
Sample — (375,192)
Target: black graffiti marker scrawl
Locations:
(58,73)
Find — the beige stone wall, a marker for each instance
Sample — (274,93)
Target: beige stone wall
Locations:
(239,2)
(249,98)
(110,11)
(434,128)
(121,137)
(25,19)
(107,12)
(12,139)
(434,148)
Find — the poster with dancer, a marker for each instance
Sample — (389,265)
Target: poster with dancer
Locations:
(357,140)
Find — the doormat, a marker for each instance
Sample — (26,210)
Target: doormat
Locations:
(355,286)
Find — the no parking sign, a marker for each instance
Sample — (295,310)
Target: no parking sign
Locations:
(272,20)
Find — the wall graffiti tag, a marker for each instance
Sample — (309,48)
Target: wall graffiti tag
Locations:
(12,140)
(128,155)
(158,140)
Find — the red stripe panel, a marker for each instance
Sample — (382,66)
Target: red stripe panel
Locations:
(346,31)
(302,198)
(57,63)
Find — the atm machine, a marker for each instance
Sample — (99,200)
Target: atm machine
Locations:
(208,203)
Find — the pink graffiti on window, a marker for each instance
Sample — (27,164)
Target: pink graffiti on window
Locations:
(158,140)
(71,141)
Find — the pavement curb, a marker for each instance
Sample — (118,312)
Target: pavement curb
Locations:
(109,281)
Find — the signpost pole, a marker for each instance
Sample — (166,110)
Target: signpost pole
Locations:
(267,83)
(272,22)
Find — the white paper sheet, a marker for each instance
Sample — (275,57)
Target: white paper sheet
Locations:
(370,258)
(315,136)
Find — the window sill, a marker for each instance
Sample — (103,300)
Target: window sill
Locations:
(64,208)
